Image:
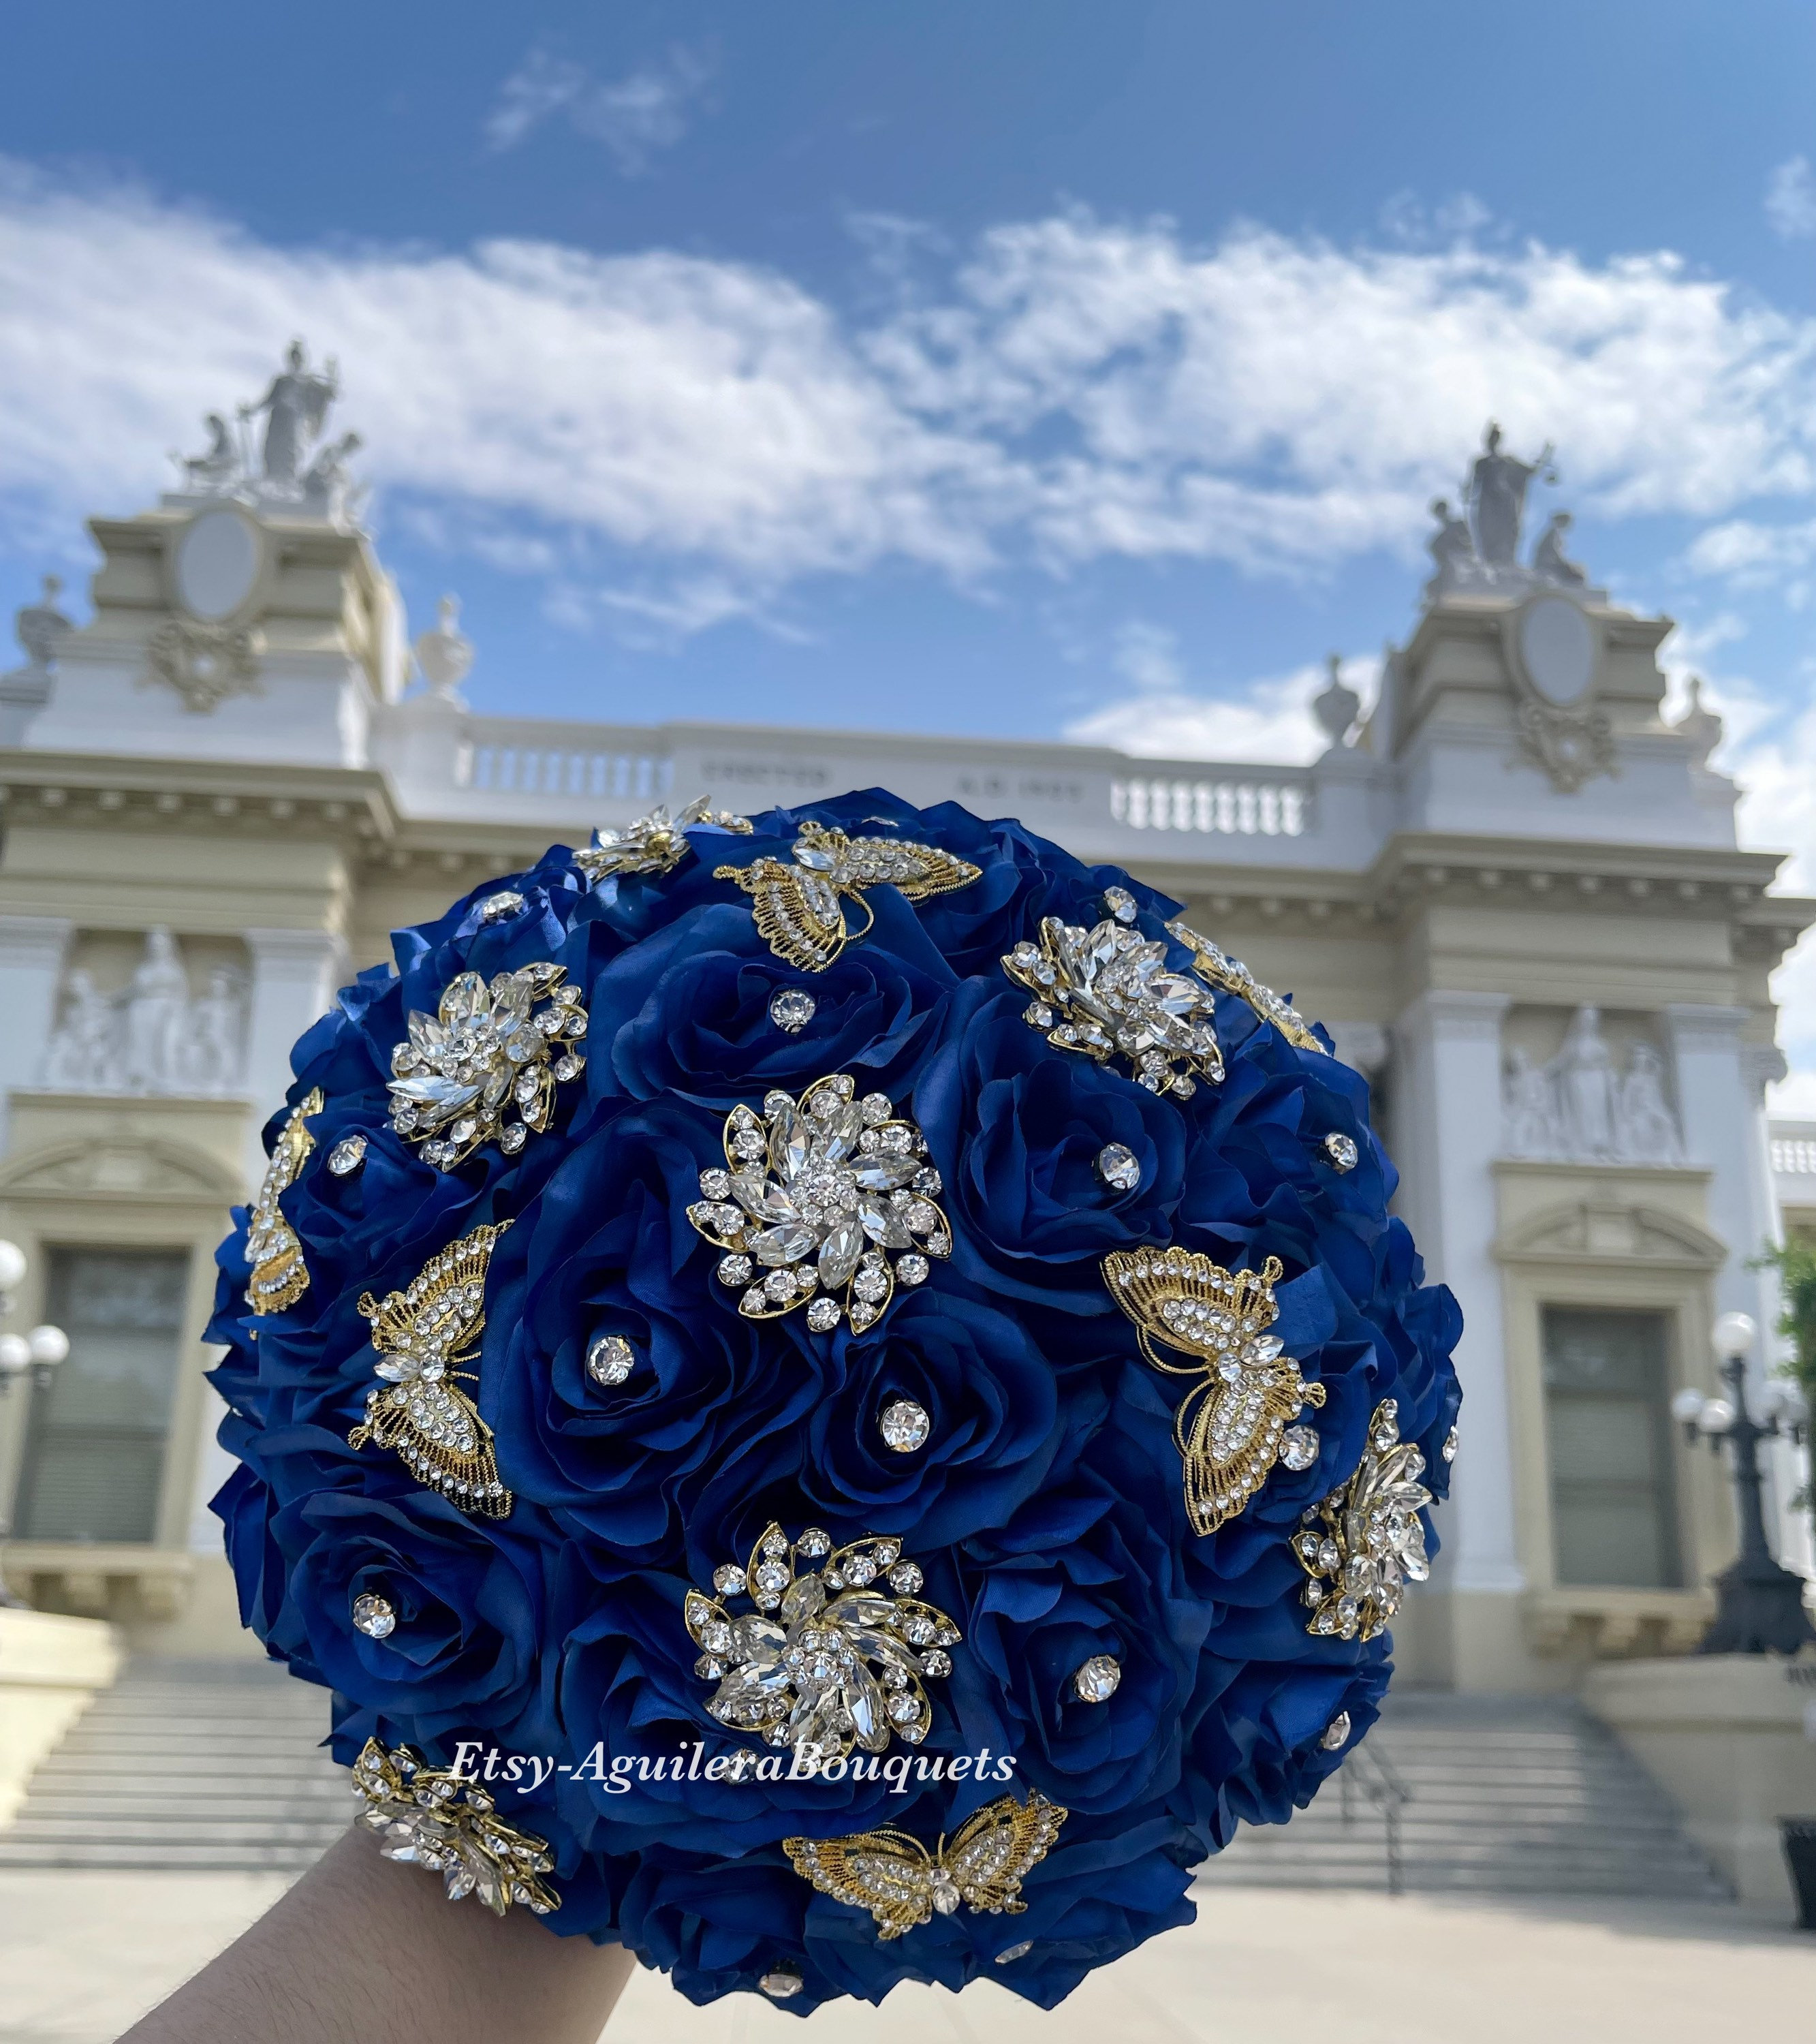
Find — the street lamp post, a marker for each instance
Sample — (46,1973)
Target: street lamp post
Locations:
(1759,1606)
(39,1351)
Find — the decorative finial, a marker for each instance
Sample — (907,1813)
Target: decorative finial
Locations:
(445,655)
(1700,729)
(1336,707)
(42,627)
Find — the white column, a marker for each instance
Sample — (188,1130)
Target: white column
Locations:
(294,973)
(1719,1100)
(32,952)
(1447,1116)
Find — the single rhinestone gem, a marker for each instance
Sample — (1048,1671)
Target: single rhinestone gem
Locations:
(823,1315)
(525,1091)
(1336,1732)
(792,1008)
(927,1180)
(1097,1681)
(780,1285)
(886,1552)
(905,1426)
(813,1542)
(860,1569)
(728,1579)
(1026,956)
(465,1129)
(1450,1446)
(905,1709)
(513,1139)
(780,1986)
(775,1546)
(1120,903)
(754,1301)
(610,1359)
(716,1185)
(734,1270)
(569,1067)
(716,1638)
(346,1155)
(936,1661)
(1012,1952)
(1119,1167)
(1341,1151)
(911,1269)
(373,1616)
(772,1577)
(1299,1447)
(905,1577)
(877,1107)
(495,907)
(748,1142)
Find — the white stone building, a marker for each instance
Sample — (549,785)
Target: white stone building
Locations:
(1514,893)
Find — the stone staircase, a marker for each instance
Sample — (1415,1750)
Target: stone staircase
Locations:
(1506,1795)
(202,1764)
(217,1764)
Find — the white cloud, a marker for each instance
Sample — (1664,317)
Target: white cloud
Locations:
(1791,199)
(1267,721)
(634,115)
(1751,555)
(1070,390)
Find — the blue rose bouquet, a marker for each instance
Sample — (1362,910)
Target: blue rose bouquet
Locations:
(835,1396)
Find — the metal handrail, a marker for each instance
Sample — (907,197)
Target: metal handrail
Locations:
(1371,1776)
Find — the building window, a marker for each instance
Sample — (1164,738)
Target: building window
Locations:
(1613,1514)
(94,1455)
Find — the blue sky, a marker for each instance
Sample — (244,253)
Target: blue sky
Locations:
(1036,368)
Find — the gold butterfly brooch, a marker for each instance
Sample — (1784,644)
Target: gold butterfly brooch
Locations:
(1235,1423)
(800,904)
(423,1336)
(894,1876)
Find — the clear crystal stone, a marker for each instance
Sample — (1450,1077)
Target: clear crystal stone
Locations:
(1341,1151)
(734,1270)
(513,1139)
(1336,1732)
(610,1359)
(716,1185)
(780,1986)
(906,1577)
(373,1616)
(905,1426)
(569,1067)
(1119,1167)
(911,1269)
(1013,1952)
(1097,1681)
(1120,903)
(728,1579)
(495,907)
(792,1008)
(936,1661)
(1299,1447)
(905,1709)
(823,1315)
(877,1107)
(1450,1446)
(813,1542)
(346,1155)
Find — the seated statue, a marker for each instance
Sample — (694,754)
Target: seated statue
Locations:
(1548,562)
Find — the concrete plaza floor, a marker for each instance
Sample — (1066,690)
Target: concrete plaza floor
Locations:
(82,1954)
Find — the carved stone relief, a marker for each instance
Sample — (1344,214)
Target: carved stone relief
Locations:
(152,1034)
(1585,1105)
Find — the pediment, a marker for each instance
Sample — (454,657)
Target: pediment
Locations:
(1612,1232)
(151,1169)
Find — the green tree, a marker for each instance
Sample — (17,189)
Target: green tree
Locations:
(1795,1263)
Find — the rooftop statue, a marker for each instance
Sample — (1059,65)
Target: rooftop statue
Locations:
(296,409)
(1497,498)
(42,627)
(295,465)
(1548,560)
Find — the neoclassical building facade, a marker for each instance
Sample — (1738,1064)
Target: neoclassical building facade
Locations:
(1512,892)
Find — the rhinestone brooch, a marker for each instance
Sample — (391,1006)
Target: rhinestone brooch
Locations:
(432,1818)
(423,1335)
(829,1657)
(893,1875)
(655,843)
(799,904)
(814,1197)
(1366,1543)
(1231,1425)
(490,1052)
(279,1275)
(1107,993)
(1230,975)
